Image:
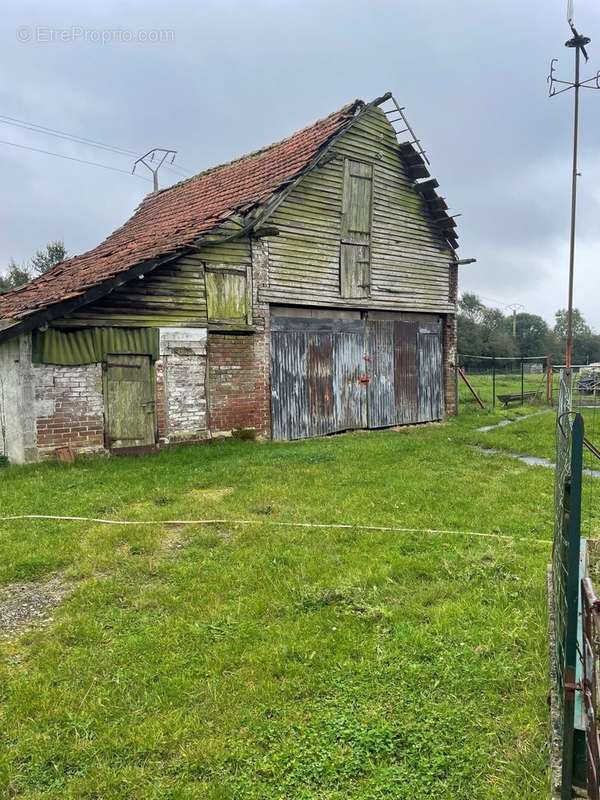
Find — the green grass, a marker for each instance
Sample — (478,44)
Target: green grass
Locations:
(259,662)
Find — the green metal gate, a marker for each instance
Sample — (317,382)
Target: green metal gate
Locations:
(565,575)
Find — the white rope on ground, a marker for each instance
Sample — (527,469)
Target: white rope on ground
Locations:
(272,523)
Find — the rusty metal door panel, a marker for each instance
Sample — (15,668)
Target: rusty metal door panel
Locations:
(430,377)
(405,372)
(380,361)
(350,390)
(319,366)
(289,385)
(316,366)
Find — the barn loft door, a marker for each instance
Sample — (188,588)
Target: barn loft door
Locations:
(355,247)
(129,402)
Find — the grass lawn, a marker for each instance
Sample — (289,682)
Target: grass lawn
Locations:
(260,662)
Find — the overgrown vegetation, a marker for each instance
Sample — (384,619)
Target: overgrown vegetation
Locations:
(257,662)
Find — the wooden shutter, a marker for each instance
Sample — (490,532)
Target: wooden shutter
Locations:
(226,295)
(355,270)
(355,250)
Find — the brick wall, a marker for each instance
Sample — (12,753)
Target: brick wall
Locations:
(239,365)
(68,408)
(181,385)
(236,382)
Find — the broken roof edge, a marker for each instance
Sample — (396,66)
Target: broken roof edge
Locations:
(248,218)
(353,109)
(11,327)
(349,108)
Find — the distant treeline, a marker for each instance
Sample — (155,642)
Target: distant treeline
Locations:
(487,331)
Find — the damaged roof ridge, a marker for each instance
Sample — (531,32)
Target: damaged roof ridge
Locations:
(173,221)
(348,109)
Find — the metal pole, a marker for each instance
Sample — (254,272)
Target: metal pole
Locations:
(569,347)
(494,382)
(522,382)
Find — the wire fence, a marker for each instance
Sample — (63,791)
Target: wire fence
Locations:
(506,381)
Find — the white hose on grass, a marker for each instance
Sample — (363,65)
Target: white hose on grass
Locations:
(272,523)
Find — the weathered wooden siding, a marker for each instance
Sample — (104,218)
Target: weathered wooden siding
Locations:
(409,258)
(173,295)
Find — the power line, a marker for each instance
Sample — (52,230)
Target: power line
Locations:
(31,126)
(69,158)
(34,127)
(498,302)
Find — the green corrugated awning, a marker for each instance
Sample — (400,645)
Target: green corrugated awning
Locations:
(92,345)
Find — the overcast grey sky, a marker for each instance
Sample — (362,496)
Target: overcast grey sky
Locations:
(232,76)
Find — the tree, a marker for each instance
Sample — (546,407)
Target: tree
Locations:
(471,308)
(14,276)
(532,334)
(45,259)
(580,326)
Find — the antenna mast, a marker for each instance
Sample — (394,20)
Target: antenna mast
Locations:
(578,43)
(160,154)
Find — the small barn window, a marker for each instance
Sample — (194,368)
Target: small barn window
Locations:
(355,250)
(227,294)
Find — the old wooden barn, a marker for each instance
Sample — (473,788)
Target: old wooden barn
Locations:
(306,288)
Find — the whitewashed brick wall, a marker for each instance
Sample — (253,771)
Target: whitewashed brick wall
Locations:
(181,375)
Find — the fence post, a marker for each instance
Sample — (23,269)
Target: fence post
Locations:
(493,381)
(522,382)
(572,502)
(549,379)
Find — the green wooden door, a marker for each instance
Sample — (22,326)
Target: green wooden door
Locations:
(129,402)
(355,248)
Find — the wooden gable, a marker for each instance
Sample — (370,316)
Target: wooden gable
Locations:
(356,232)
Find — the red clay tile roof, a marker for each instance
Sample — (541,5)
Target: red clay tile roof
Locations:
(170,220)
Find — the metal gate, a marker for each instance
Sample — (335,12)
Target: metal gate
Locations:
(565,575)
(331,375)
(590,606)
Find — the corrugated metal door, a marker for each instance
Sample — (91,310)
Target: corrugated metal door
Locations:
(405,371)
(380,360)
(316,367)
(430,377)
(289,385)
(331,375)
(392,360)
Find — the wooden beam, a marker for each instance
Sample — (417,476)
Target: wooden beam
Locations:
(471,389)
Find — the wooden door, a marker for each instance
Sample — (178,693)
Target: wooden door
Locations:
(130,412)
(355,246)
